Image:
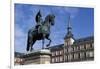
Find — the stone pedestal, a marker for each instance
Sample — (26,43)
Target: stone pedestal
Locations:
(37,57)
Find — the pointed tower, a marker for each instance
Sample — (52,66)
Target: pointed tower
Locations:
(68,40)
(69,36)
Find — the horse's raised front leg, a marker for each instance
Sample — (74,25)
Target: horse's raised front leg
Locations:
(49,41)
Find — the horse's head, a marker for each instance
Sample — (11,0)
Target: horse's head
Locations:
(50,18)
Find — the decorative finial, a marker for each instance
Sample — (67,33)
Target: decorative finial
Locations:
(69,24)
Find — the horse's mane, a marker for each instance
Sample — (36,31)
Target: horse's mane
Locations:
(47,18)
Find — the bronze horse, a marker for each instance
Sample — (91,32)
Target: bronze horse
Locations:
(41,34)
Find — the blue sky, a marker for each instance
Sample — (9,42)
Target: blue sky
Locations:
(82,22)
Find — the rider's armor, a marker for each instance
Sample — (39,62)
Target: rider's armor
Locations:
(38,20)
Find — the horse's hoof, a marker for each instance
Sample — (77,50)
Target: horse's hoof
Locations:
(31,50)
(47,45)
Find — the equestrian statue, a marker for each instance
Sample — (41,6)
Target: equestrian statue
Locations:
(41,31)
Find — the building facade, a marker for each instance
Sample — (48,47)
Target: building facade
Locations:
(73,49)
(81,50)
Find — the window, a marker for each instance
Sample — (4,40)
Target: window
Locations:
(56,59)
(68,42)
(87,46)
(57,52)
(18,60)
(81,47)
(15,60)
(70,49)
(65,51)
(60,52)
(76,56)
(91,54)
(87,54)
(92,45)
(53,53)
(52,59)
(70,57)
(66,58)
(82,55)
(61,58)
(65,43)
(21,60)
(75,48)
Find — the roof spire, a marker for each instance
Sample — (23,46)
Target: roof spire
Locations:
(69,28)
(69,24)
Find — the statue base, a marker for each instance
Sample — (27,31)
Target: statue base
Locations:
(37,57)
